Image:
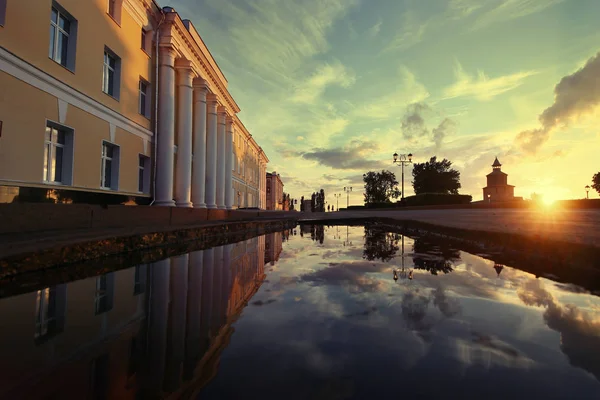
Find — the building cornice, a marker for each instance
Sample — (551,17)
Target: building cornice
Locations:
(144,12)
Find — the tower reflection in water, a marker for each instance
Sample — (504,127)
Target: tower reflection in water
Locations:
(151,331)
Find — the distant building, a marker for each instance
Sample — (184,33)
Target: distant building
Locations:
(307,206)
(274,191)
(497,188)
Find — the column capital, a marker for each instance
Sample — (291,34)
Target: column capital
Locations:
(167,55)
(185,73)
(200,84)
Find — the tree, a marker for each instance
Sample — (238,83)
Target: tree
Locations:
(302,203)
(380,187)
(435,177)
(596,182)
(322,200)
(313,199)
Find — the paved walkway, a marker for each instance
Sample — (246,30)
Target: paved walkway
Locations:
(571,226)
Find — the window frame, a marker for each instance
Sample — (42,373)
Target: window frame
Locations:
(147,98)
(71,35)
(115,13)
(114,165)
(116,70)
(67,153)
(145,169)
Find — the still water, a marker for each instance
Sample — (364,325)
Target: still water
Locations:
(310,313)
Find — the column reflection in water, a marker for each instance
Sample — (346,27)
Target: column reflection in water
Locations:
(177,321)
(157,323)
(193,339)
(163,335)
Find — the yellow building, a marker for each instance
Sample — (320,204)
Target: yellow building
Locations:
(274,191)
(90,91)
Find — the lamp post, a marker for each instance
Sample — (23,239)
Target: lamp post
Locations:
(347,190)
(402,159)
(337,199)
(587,192)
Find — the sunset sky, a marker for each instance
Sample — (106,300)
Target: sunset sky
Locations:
(332,88)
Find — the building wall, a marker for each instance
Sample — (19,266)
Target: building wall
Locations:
(42,90)
(274,191)
(247,166)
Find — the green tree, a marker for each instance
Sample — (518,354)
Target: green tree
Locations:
(380,187)
(596,182)
(435,177)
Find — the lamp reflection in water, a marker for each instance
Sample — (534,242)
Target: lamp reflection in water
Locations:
(402,273)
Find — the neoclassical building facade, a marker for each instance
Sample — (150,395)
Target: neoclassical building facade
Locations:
(118,101)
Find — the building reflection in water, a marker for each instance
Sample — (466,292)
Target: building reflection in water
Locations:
(151,331)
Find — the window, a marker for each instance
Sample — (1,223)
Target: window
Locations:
(2,12)
(144,174)
(50,312)
(146,41)
(99,377)
(114,10)
(58,154)
(110,166)
(63,35)
(111,76)
(144,103)
(103,300)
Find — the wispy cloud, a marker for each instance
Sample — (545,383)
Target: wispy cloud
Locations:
(481,86)
(326,74)
(490,12)
(410,31)
(375,29)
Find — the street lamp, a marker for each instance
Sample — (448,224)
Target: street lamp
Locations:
(347,190)
(587,192)
(402,159)
(337,199)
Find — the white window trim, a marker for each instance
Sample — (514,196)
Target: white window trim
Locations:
(148,96)
(146,177)
(68,154)
(72,36)
(115,166)
(106,68)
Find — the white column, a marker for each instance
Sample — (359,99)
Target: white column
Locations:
(221,159)
(229,163)
(199,163)
(160,273)
(166,129)
(211,152)
(183,179)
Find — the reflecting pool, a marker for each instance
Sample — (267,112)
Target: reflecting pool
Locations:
(315,312)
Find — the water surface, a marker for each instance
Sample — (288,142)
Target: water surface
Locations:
(310,313)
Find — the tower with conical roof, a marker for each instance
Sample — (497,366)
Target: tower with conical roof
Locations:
(497,188)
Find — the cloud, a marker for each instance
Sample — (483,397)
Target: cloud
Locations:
(299,137)
(352,156)
(410,31)
(413,121)
(375,29)
(489,12)
(351,275)
(574,96)
(414,124)
(580,332)
(325,75)
(483,87)
(445,128)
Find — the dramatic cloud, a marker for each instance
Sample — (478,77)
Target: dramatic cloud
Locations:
(445,128)
(410,32)
(352,156)
(414,124)
(449,307)
(580,331)
(351,275)
(575,95)
(413,121)
(483,87)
